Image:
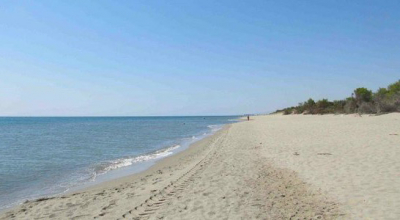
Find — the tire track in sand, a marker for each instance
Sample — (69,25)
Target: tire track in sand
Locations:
(150,206)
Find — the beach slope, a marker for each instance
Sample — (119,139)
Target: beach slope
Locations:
(271,167)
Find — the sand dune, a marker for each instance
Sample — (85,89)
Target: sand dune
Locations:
(272,167)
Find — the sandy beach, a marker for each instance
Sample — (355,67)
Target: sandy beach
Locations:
(271,167)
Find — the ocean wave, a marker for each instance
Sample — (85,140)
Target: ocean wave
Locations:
(107,166)
(104,167)
(236,119)
(124,162)
(215,128)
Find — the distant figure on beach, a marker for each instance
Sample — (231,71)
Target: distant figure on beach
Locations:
(248,117)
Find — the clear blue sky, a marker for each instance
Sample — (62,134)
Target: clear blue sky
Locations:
(191,57)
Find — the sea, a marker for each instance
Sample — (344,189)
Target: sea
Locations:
(48,156)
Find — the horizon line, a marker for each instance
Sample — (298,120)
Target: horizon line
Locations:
(114,116)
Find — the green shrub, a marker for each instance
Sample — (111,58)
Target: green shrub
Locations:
(362,95)
(394,89)
(362,100)
(338,106)
(309,106)
(388,100)
(367,108)
(287,111)
(350,106)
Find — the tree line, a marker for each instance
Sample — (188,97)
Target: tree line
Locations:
(362,101)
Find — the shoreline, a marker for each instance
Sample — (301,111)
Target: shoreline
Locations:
(142,166)
(271,167)
(155,156)
(157,165)
(214,172)
(149,170)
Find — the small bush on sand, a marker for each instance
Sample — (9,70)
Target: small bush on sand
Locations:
(287,111)
(388,100)
(322,106)
(350,106)
(362,95)
(367,108)
(338,106)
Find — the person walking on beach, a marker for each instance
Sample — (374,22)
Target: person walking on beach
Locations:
(248,117)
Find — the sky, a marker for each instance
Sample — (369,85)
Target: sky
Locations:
(148,58)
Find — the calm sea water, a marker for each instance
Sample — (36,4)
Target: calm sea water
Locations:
(46,156)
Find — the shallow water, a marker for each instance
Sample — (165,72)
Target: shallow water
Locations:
(41,156)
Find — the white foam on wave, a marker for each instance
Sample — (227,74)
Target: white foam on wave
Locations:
(80,178)
(124,162)
(215,128)
(236,120)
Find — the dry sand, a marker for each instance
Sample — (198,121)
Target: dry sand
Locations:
(354,159)
(272,167)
